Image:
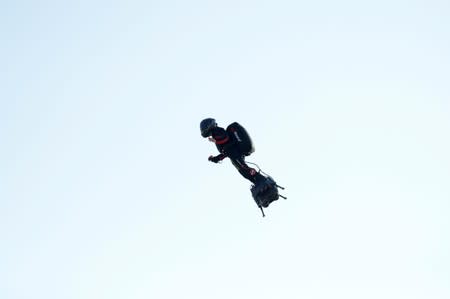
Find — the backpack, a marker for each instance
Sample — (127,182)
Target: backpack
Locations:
(241,138)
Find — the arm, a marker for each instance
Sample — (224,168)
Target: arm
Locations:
(218,158)
(220,138)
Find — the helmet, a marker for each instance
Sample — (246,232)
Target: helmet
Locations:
(206,126)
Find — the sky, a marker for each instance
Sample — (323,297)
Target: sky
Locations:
(105,186)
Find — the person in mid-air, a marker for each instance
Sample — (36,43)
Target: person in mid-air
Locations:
(234,143)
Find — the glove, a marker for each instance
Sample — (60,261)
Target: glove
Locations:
(214,159)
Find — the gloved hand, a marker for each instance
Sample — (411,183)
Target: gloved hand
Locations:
(214,159)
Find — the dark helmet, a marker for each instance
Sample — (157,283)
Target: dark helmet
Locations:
(206,126)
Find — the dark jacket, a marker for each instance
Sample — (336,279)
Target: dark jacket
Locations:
(225,144)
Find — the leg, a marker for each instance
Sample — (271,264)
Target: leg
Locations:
(247,172)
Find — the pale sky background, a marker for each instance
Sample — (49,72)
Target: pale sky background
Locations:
(105,187)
